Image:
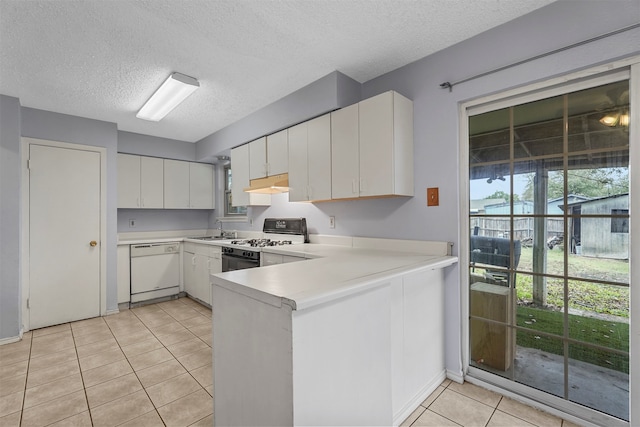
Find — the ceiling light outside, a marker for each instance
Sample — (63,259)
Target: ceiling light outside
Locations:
(615,119)
(173,91)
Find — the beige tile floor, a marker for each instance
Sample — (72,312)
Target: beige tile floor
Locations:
(151,366)
(453,404)
(146,366)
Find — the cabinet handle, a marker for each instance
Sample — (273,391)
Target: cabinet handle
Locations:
(193,260)
(363,186)
(309,192)
(143,202)
(138,201)
(266,169)
(354,186)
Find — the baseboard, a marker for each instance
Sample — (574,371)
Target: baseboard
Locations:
(112,311)
(455,376)
(419,397)
(10,340)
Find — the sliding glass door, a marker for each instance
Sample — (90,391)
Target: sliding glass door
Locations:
(549,245)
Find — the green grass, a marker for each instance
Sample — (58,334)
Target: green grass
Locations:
(613,270)
(614,335)
(605,308)
(586,296)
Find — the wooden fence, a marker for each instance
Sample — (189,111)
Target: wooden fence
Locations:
(522,227)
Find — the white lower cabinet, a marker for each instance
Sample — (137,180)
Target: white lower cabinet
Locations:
(199,261)
(124,274)
(267,258)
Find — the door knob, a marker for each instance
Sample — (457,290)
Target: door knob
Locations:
(93,243)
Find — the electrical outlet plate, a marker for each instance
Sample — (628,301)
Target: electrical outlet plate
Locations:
(432,197)
(332,222)
(132,223)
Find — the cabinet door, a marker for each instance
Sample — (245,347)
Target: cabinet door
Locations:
(176,184)
(291,258)
(189,272)
(258,158)
(203,292)
(298,170)
(376,145)
(267,258)
(240,175)
(319,158)
(277,157)
(215,265)
(124,273)
(128,181)
(345,171)
(240,180)
(151,182)
(201,186)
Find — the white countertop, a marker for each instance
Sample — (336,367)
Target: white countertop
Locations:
(331,272)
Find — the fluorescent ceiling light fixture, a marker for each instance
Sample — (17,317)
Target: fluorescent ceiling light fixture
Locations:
(173,91)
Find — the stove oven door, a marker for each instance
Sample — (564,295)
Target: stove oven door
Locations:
(231,263)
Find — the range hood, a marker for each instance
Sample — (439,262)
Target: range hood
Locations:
(269,185)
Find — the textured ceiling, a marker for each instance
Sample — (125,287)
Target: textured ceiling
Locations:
(102,59)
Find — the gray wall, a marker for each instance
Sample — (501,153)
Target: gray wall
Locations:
(436,124)
(163,219)
(10,217)
(145,145)
(329,93)
(61,127)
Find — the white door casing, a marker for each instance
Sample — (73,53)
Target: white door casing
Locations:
(64,196)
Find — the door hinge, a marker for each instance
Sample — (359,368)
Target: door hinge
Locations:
(29,164)
(28,303)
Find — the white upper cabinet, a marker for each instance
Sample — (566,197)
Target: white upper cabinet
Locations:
(268,155)
(152,182)
(277,153)
(310,160)
(372,148)
(258,158)
(188,185)
(176,184)
(128,181)
(345,153)
(240,180)
(201,185)
(140,182)
(386,145)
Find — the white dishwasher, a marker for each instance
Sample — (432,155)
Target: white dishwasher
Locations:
(155,270)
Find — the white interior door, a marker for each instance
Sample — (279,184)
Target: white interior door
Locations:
(64,221)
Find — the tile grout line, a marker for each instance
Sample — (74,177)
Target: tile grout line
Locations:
(84,387)
(172,355)
(136,374)
(26,378)
(494,411)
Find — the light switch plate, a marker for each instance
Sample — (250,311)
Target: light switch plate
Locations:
(432,197)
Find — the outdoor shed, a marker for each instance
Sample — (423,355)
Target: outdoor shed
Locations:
(602,237)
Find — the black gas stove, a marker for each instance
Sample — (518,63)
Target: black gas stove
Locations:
(241,254)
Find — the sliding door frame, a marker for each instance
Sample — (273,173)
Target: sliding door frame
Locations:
(626,69)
